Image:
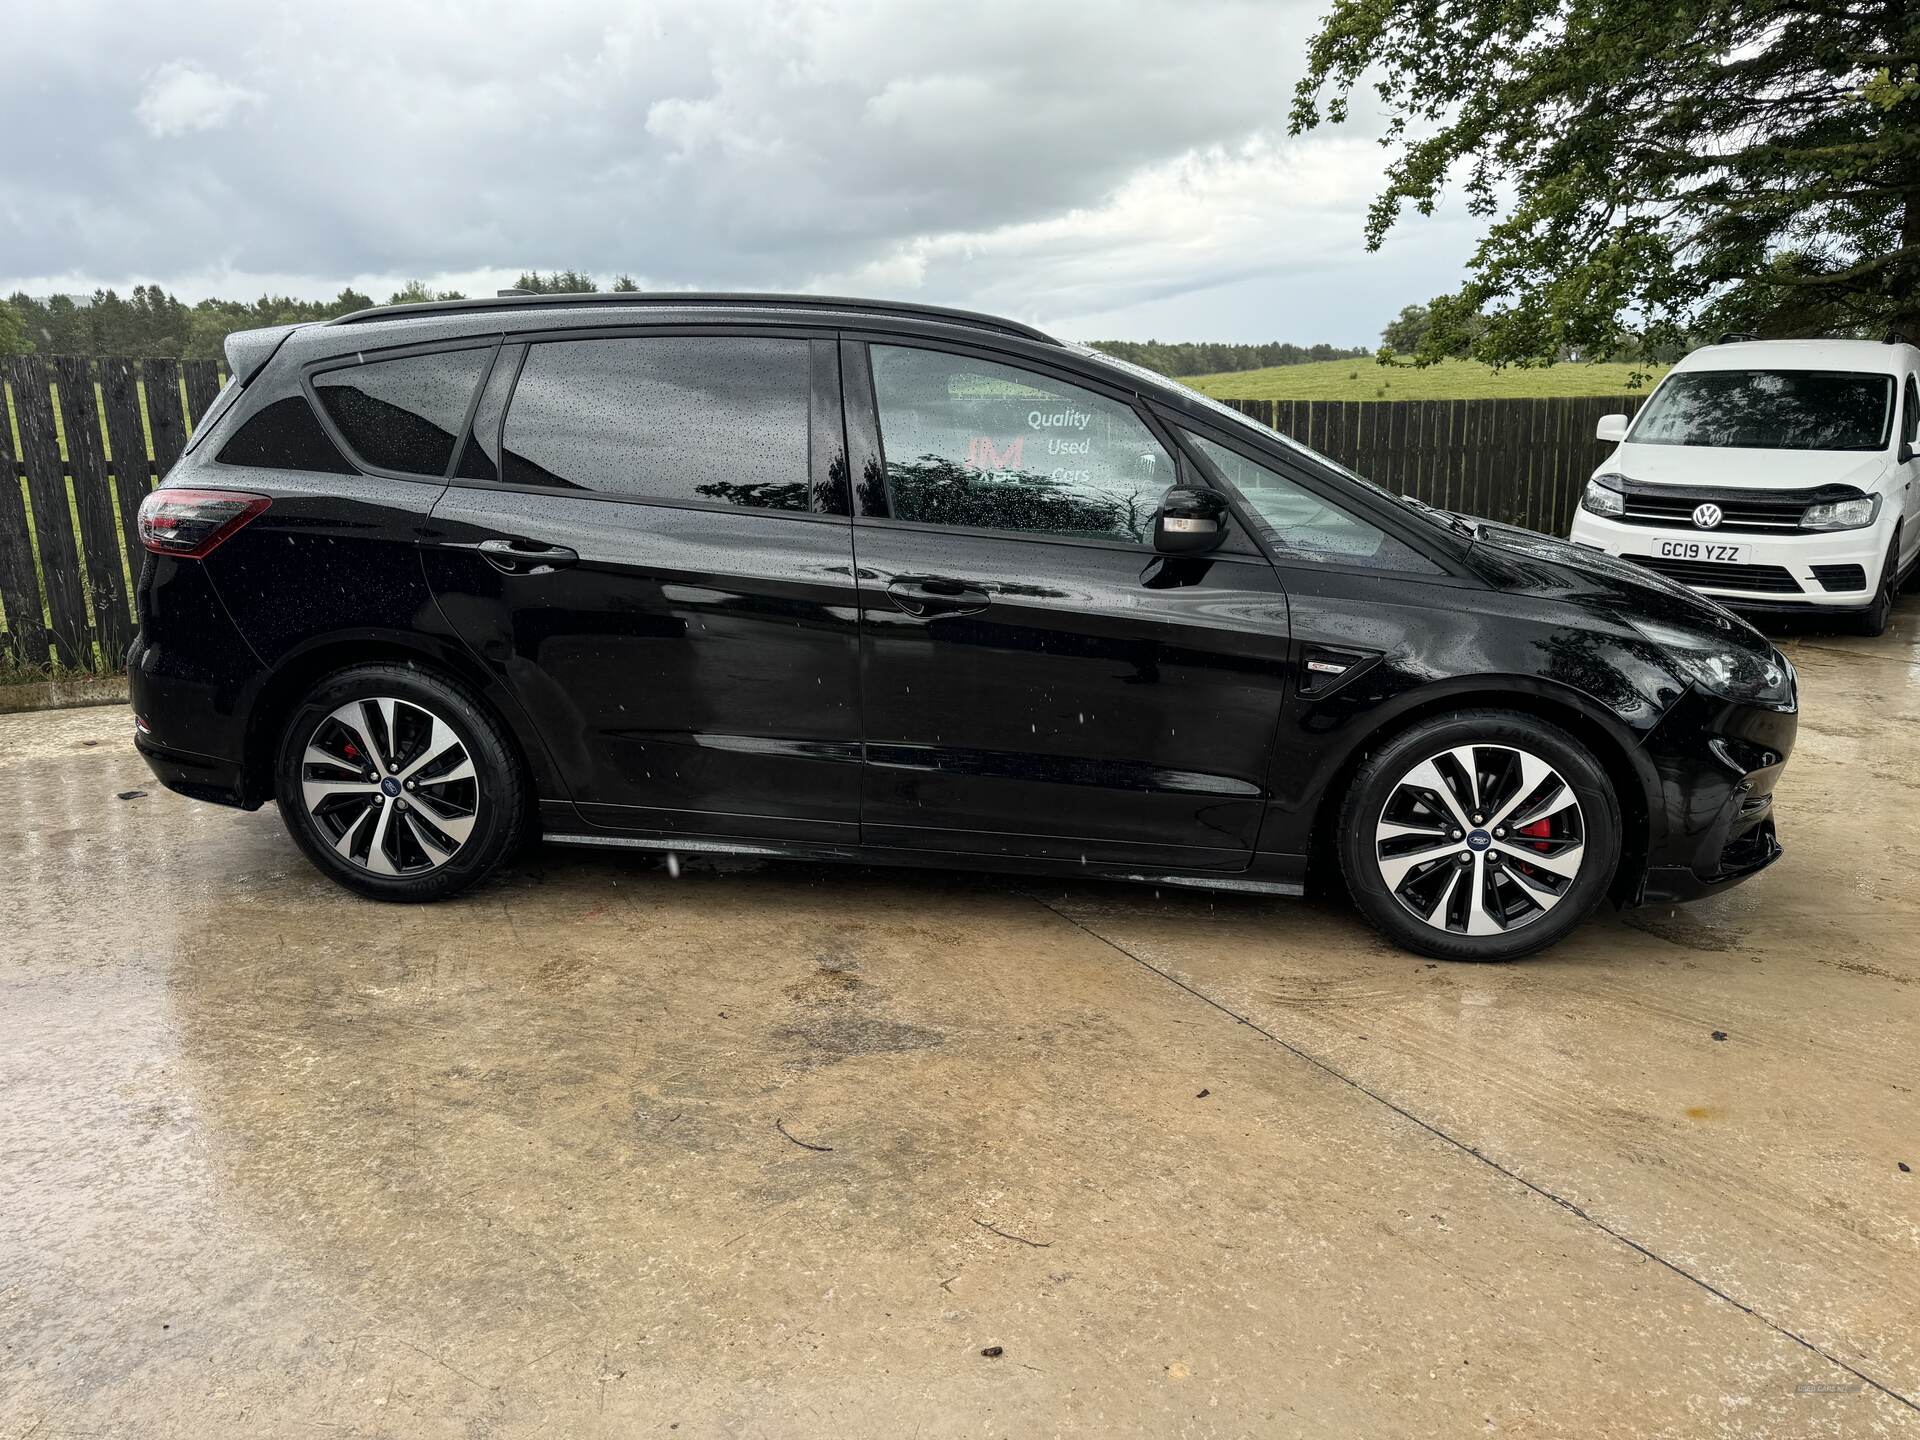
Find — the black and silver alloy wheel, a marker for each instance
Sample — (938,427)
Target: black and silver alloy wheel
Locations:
(1480,839)
(400,782)
(391,784)
(1482,834)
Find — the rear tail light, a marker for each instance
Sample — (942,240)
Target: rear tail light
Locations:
(190,523)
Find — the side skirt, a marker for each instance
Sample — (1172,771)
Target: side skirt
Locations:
(1269,874)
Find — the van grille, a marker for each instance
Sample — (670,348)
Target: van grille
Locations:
(1764,512)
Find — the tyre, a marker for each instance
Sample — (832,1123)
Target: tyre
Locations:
(1876,617)
(1480,835)
(399,783)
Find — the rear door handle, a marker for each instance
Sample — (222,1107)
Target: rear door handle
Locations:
(525,557)
(924,595)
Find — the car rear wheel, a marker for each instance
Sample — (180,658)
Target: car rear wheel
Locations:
(1481,835)
(398,783)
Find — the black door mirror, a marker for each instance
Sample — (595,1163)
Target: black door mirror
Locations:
(1906,452)
(1189,521)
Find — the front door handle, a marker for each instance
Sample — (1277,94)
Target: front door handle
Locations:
(526,557)
(927,595)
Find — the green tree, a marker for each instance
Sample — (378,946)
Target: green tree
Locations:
(1647,168)
(13,332)
(625,285)
(560,282)
(415,292)
(1406,330)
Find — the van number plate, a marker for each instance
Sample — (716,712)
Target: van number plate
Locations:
(1701,550)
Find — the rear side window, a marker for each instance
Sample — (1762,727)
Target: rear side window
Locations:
(719,418)
(285,435)
(403,414)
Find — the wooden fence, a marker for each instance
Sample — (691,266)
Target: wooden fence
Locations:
(81,441)
(1522,462)
(85,439)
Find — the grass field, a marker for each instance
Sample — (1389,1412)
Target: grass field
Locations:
(1449,380)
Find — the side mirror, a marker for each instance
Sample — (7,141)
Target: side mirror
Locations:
(1906,452)
(1190,521)
(1612,429)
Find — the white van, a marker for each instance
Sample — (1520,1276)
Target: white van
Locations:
(1772,475)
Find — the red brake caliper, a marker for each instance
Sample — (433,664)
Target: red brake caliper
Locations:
(1540,830)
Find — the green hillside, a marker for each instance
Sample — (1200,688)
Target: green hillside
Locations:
(1449,380)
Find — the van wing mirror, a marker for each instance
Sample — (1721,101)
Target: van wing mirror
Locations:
(1612,429)
(1190,521)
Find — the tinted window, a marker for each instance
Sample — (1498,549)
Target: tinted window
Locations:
(1769,410)
(480,456)
(404,414)
(285,435)
(968,442)
(671,418)
(1912,431)
(1306,527)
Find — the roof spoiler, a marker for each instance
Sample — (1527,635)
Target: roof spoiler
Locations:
(248,350)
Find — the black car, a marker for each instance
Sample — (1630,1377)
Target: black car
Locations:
(832,579)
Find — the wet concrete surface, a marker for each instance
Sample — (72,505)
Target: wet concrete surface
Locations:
(780,1150)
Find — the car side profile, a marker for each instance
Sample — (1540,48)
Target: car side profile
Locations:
(843,580)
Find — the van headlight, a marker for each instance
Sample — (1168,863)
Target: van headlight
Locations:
(1854,514)
(1602,499)
(1730,672)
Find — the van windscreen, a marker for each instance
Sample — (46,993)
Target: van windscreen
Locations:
(1769,410)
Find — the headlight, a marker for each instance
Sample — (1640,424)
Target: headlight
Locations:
(1603,499)
(1841,514)
(1718,668)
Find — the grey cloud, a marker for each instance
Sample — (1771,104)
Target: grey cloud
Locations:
(695,142)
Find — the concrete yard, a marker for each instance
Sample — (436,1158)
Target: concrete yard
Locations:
(774,1150)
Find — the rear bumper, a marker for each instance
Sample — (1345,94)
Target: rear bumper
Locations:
(1713,825)
(201,777)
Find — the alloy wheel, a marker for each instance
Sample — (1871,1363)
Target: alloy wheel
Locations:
(1480,839)
(390,785)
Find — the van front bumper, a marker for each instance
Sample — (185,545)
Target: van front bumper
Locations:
(1829,570)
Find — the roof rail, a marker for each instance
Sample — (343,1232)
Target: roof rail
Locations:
(701,300)
(1734,337)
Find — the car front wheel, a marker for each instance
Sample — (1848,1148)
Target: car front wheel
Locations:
(398,783)
(1481,835)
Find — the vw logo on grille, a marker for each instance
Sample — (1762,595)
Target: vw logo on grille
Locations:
(1707,516)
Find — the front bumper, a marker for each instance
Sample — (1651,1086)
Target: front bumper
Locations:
(1713,825)
(1832,552)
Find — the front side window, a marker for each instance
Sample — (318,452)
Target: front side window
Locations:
(1305,527)
(719,418)
(403,414)
(1912,431)
(972,443)
(1769,410)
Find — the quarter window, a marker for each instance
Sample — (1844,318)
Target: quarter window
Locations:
(403,414)
(972,443)
(1912,432)
(1305,527)
(688,418)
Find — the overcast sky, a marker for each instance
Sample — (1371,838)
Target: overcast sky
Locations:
(1108,170)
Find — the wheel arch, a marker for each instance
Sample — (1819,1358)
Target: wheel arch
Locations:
(296,672)
(1612,744)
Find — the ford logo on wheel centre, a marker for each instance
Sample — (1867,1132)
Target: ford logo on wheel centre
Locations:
(1707,516)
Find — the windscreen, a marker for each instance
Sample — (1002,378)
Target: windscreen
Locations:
(1769,410)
